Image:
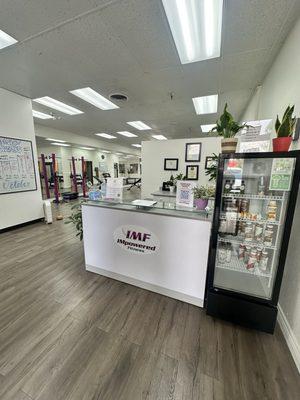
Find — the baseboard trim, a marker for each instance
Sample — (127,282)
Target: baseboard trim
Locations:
(289,336)
(11,228)
(145,285)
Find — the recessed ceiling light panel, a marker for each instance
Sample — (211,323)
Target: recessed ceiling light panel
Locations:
(106,135)
(61,144)
(127,134)
(139,125)
(196,27)
(40,115)
(136,145)
(58,105)
(159,137)
(206,104)
(87,148)
(207,128)
(6,40)
(56,140)
(91,96)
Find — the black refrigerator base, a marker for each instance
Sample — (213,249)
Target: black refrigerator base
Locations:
(242,312)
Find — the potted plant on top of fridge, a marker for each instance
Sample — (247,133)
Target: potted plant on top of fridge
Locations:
(201,196)
(227,127)
(284,130)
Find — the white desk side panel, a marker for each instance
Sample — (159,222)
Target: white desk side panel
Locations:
(177,269)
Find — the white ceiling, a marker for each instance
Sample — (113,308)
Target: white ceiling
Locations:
(126,46)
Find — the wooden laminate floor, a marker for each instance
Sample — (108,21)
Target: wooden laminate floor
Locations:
(67,334)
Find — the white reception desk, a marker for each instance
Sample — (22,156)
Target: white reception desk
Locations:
(160,249)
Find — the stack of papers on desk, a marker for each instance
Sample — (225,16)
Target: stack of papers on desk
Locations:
(144,203)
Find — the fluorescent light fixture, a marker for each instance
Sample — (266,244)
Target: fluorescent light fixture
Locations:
(207,128)
(92,97)
(87,148)
(6,40)
(38,114)
(61,144)
(119,154)
(206,104)
(139,125)
(127,134)
(196,27)
(105,151)
(106,135)
(159,137)
(136,145)
(57,105)
(56,140)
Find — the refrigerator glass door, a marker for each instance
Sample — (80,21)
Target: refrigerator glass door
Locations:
(255,194)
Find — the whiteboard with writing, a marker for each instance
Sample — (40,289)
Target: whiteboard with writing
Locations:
(17,173)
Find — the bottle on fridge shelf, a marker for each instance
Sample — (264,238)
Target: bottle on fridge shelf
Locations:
(247,253)
(258,232)
(243,187)
(272,210)
(227,186)
(241,252)
(241,228)
(222,253)
(228,252)
(268,235)
(261,190)
(263,264)
(251,263)
(248,232)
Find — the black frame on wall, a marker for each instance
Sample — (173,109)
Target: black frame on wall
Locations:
(187,145)
(197,172)
(171,159)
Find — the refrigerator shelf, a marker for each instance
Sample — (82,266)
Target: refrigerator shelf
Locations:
(239,266)
(252,196)
(264,221)
(239,241)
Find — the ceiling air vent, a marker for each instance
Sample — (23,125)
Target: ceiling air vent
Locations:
(118,97)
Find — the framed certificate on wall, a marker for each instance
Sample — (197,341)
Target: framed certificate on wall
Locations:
(192,152)
(192,172)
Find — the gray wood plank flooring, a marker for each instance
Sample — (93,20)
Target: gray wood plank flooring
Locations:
(67,334)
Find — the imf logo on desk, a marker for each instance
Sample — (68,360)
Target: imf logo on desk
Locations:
(136,239)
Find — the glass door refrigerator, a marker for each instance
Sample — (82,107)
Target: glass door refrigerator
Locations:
(255,201)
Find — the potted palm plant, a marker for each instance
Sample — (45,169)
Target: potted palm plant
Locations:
(201,196)
(227,127)
(284,130)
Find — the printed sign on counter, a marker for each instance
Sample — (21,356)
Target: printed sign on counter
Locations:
(136,239)
(114,188)
(185,194)
(281,174)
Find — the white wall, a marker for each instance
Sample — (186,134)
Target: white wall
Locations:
(280,88)
(154,153)
(16,122)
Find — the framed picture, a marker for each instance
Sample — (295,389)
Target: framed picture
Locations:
(192,152)
(171,164)
(17,169)
(210,162)
(192,172)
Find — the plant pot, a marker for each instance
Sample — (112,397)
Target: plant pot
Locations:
(172,189)
(200,203)
(282,143)
(228,145)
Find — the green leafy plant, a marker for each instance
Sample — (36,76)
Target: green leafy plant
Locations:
(226,126)
(204,192)
(173,179)
(212,171)
(76,219)
(285,128)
